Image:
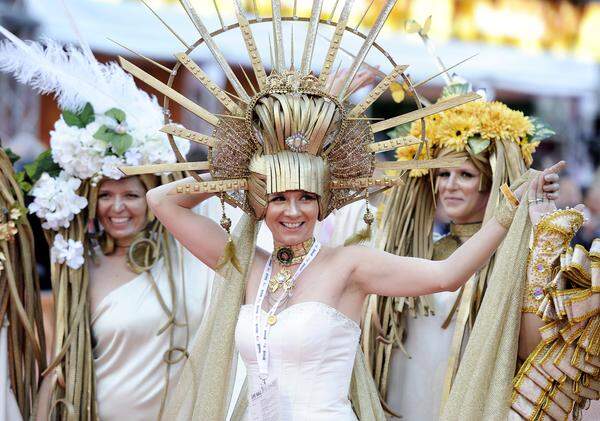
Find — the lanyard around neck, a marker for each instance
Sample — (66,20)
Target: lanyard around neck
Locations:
(261,333)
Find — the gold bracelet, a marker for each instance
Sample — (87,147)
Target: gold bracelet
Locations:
(509,195)
(505,214)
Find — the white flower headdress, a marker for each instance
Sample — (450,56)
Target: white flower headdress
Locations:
(106,122)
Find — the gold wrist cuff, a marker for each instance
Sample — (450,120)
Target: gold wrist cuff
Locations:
(505,214)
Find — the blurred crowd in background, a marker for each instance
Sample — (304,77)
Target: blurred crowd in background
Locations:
(538,56)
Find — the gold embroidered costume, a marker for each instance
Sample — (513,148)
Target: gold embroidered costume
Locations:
(563,372)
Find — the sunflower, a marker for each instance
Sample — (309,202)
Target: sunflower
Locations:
(432,124)
(456,129)
(407,153)
(518,126)
(494,120)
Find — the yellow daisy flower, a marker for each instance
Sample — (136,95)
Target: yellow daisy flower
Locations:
(457,129)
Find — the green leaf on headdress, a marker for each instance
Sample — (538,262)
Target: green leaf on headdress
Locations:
(119,142)
(25,185)
(11,155)
(455,89)
(400,131)
(541,130)
(72,119)
(43,163)
(478,145)
(117,114)
(80,119)
(87,115)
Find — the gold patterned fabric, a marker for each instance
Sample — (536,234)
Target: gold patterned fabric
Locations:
(482,384)
(550,239)
(563,372)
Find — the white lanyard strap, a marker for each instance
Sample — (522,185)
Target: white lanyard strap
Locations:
(261,333)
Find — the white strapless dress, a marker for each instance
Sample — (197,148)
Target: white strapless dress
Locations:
(312,349)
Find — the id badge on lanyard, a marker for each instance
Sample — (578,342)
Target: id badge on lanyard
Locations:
(264,403)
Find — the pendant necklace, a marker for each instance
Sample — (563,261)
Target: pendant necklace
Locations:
(282,284)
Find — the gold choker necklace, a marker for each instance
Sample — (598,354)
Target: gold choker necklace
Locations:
(292,255)
(464,230)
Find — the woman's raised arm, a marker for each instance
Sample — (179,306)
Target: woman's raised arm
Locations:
(377,272)
(202,236)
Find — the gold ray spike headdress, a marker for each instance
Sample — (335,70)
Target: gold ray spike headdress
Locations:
(292,133)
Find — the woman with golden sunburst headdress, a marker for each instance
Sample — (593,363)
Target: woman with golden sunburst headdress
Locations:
(289,154)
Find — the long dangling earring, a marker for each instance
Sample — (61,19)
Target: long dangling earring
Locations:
(368,217)
(364,234)
(229,254)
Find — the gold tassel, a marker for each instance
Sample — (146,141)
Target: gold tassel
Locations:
(364,235)
(229,253)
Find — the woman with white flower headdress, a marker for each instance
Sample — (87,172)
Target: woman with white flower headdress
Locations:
(22,345)
(123,289)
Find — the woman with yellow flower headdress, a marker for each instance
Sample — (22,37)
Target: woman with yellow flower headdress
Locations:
(497,143)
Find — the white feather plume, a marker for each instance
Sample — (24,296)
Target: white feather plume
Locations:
(76,78)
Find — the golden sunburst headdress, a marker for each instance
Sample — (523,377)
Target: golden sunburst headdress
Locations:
(293,132)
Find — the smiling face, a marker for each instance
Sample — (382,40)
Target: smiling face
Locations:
(122,208)
(291,216)
(458,193)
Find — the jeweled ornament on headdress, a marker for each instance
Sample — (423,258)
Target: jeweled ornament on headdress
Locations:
(291,132)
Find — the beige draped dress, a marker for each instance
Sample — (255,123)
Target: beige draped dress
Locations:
(129,354)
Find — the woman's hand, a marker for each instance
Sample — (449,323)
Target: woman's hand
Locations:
(546,184)
(364,77)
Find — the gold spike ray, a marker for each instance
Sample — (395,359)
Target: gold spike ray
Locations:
(250,84)
(279,64)
(421,164)
(158,168)
(364,15)
(365,182)
(335,5)
(253,54)
(214,186)
(336,40)
(311,35)
(377,91)
(212,87)
(190,105)
(438,107)
(149,60)
(180,131)
(366,46)
(214,49)
(171,30)
(219,14)
(388,145)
